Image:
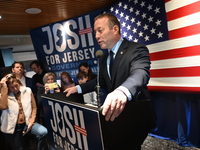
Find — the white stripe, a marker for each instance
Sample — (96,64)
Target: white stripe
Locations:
(175,44)
(184,21)
(176,63)
(175,4)
(180,81)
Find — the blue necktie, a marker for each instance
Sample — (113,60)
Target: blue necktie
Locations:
(111,61)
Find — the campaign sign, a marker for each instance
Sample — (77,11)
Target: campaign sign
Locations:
(63,45)
(72,126)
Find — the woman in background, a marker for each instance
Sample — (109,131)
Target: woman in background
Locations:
(18,114)
(86,69)
(66,81)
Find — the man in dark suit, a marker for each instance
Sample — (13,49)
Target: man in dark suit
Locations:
(126,83)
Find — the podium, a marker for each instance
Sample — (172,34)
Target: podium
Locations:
(73,125)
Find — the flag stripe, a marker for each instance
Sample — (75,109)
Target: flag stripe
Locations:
(176,63)
(176,72)
(175,81)
(186,31)
(175,43)
(174,89)
(183,11)
(176,53)
(175,4)
(184,21)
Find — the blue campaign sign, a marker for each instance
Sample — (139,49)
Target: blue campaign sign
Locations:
(72,126)
(63,45)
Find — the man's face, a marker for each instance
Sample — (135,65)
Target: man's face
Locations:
(18,69)
(35,68)
(104,35)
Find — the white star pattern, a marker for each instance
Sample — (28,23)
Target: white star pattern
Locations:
(141,21)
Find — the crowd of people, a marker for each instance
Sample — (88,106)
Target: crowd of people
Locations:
(125,81)
(21,95)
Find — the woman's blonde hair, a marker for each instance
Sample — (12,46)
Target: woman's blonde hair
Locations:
(47,75)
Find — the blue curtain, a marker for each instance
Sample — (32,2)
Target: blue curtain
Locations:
(178,117)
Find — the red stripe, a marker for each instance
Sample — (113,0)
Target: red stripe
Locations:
(176,53)
(80,130)
(85,31)
(183,11)
(174,89)
(167,1)
(185,31)
(176,72)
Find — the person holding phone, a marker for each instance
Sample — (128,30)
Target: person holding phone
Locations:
(18,114)
(50,85)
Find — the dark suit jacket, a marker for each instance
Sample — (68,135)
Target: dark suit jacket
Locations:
(130,69)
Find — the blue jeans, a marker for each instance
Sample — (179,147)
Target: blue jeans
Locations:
(41,132)
(16,140)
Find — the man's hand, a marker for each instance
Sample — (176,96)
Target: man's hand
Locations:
(70,90)
(114,105)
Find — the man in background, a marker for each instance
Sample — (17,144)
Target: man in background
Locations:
(38,81)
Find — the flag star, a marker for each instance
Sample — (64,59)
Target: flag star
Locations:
(116,11)
(131,9)
(125,34)
(130,37)
(160,35)
(120,4)
(137,12)
(146,38)
(128,27)
(145,27)
(95,62)
(157,10)
(125,7)
(123,24)
(158,22)
(121,14)
(132,20)
(135,1)
(138,23)
(140,34)
(135,40)
(149,7)
(144,15)
(142,4)
(111,9)
(150,19)
(153,30)
(127,17)
(134,30)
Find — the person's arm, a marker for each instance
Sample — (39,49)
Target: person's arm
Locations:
(139,62)
(34,110)
(3,94)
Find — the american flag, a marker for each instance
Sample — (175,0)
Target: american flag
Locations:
(171,31)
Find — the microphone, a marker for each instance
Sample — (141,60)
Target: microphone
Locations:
(99,53)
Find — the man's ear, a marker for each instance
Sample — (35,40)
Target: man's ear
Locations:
(116,29)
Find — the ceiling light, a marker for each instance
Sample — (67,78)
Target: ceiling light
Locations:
(33,11)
